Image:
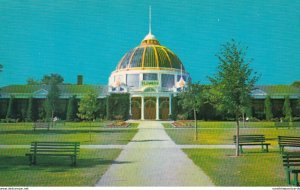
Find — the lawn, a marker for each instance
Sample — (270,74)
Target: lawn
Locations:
(225,135)
(251,169)
(228,124)
(22,133)
(54,171)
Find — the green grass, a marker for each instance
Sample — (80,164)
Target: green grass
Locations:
(251,169)
(22,133)
(54,171)
(225,135)
(229,124)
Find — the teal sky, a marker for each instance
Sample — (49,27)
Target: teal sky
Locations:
(90,37)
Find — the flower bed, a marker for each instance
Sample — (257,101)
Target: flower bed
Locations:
(182,124)
(118,124)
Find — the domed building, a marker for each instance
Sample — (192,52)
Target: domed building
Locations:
(152,74)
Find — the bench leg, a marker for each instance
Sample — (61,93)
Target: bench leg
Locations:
(241,149)
(30,159)
(296,179)
(75,159)
(34,160)
(267,148)
(288,176)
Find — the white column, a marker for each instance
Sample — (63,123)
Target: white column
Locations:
(157,108)
(142,108)
(170,105)
(130,106)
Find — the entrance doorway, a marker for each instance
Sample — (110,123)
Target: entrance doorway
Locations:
(164,108)
(136,108)
(150,108)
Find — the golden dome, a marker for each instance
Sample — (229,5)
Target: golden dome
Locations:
(150,55)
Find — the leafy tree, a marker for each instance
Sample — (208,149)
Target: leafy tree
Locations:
(29,114)
(52,79)
(88,107)
(71,109)
(287,110)
(32,81)
(192,98)
(10,109)
(268,108)
(296,84)
(249,111)
(233,82)
(51,101)
(298,106)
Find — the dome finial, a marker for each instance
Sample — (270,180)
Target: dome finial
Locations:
(150,38)
(150,19)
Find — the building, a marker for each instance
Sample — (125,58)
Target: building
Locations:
(152,74)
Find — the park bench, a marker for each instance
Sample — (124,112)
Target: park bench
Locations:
(252,140)
(57,149)
(291,164)
(286,141)
(41,125)
(283,125)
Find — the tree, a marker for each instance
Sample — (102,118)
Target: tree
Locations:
(287,110)
(1,68)
(10,109)
(32,81)
(71,109)
(192,98)
(52,79)
(51,101)
(298,107)
(88,107)
(296,84)
(233,82)
(29,114)
(268,108)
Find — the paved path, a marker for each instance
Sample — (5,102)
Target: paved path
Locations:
(153,159)
(189,146)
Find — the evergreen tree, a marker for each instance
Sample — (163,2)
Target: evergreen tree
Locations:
(29,114)
(268,108)
(287,110)
(71,109)
(10,109)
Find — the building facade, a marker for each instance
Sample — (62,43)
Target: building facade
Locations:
(152,74)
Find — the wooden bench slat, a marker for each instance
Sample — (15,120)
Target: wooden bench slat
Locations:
(291,163)
(70,149)
(288,141)
(251,140)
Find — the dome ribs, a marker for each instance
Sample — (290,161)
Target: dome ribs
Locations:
(125,61)
(143,57)
(150,55)
(129,63)
(156,57)
(167,57)
(136,60)
(149,58)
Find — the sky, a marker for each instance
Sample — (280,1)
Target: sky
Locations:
(90,37)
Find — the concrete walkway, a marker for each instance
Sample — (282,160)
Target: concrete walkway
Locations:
(153,159)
